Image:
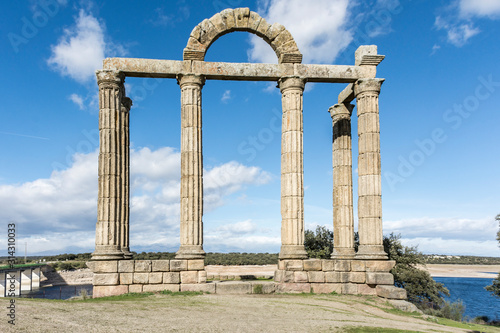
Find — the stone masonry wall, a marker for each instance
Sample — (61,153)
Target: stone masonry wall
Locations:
(365,277)
(115,277)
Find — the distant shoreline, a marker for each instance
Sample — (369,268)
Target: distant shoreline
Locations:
(463,271)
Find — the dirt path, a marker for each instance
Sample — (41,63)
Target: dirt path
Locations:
(213,313)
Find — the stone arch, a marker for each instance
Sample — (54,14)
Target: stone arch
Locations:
(241,19)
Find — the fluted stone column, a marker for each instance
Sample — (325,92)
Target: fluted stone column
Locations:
(191,168)
(125,176)
(292,170)
(343,219)
(369,170)
(108,242)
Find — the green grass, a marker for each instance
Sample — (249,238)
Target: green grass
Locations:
(21,265)
(467,326)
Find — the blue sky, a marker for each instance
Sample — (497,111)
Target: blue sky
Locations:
(439,115)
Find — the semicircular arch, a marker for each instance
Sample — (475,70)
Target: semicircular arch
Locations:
(241,19)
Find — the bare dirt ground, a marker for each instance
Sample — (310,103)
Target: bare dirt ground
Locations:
(213,313)
(468,271)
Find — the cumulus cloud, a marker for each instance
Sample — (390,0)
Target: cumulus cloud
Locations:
(81,49)
(78,100)
(60,211)
(318,27)
(487,8)
(458,21)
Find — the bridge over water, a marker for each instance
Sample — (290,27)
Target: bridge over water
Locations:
(22,278)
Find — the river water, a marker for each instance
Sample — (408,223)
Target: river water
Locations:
(58,292)
(477,300)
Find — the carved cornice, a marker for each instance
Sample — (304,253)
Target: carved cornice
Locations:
(291,82)
(190,79)
(340,111)
(126,104)
(367,85)
(107,77)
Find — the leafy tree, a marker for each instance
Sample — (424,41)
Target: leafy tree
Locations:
(494,288)
(319,244)
(422,290)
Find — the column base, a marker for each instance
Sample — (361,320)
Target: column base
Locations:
(343,253)
(126,253)
(107,253)
(293,252)
(371,252)
(190,252)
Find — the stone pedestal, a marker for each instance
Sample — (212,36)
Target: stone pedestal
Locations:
(125,177)
(108,239)
(191,168)
(343,220)
(369,170)
(292,170)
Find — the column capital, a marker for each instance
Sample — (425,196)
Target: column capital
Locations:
(190,79)
(126,103)
(110,77)
(367,85)
(341,111)
(291,82)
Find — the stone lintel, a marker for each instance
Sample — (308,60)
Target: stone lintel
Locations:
(135,67)
(346,95)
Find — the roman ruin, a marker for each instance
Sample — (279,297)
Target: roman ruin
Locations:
(363,272)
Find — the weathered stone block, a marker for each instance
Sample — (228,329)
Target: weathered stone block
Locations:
(155,278)
(342,265)
(234,288)
(177,265)
(254,21)
(312,265)
(196,265)
(262,28)
(126,266)
(160,265)
(274,30)
(328,265)
(300,276)
(160,287)
(171,277)
(267,288)
(141,278)
(365,289)
(289,276)
(242,16)
(104,291)
(142,266)
(105,279)
(218,22)
(293,265)
(293,288)
(379,278)
(326,288)
(204,287)
(357,277)
(316,277)
(391,292)
(350,289)
(202,276)
(332,277)
(404,306)
(379,265)
(279,275)
(135,288)
(281,264)
(228,18)
(126,278)
(105,266)
(358,266)
(189,277)
(344,277)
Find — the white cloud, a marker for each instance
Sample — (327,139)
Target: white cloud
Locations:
(60,211)
(438,245)
(457,33)
(81,49)
(243,227)
(78,100)
(318,27)
(488,8)
(226,96)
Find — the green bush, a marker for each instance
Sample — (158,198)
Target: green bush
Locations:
(454,311)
